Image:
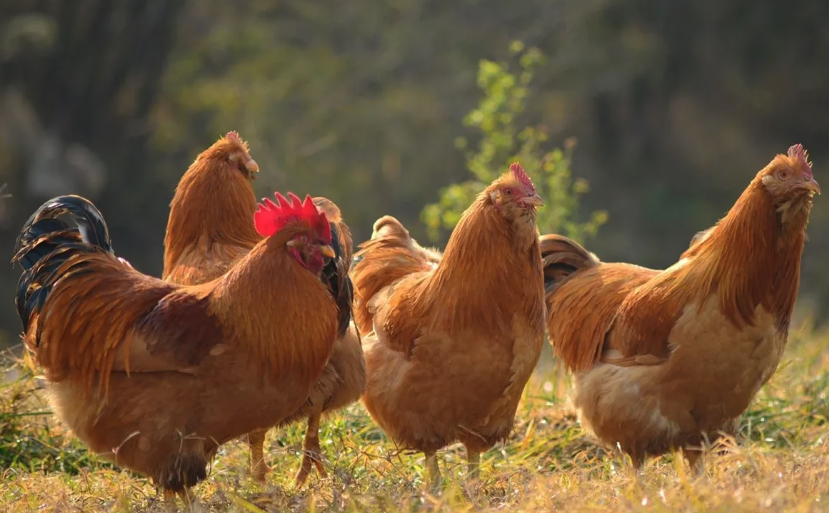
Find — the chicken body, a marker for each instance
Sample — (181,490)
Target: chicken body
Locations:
(155,376)
(168,426)
(209,230)
(451,342)
(667,359)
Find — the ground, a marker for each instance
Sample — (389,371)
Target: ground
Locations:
(779,462)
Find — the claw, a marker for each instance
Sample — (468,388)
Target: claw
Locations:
(188,498)
(310,456)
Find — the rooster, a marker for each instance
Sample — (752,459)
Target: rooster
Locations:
(155,376)
(343,379)
(668,359)
(209,230)
(451,341)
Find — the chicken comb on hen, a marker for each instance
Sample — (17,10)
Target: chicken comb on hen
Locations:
(799,154)
(521,176)
(235,139)
(233,136)
(270,217)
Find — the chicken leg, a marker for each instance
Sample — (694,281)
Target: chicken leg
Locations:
(432,469)
(258,467)
(695,460)
(473,462)
(191,502)
(311,450)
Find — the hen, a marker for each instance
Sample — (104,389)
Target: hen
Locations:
(155,376)
(667,359)
(209,230)
(451,342)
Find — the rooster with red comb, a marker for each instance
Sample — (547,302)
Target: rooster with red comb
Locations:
(210,230)
(163,372)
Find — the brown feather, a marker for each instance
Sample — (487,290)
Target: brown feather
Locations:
(241,298)
(393,256)
(89,315)
(211,215)
(581,310)
(451,340)
(742,259)
(96,313)
(212,250)
(664,358)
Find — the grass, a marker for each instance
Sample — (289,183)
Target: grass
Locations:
(780,461)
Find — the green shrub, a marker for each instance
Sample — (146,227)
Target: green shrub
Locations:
(502,142)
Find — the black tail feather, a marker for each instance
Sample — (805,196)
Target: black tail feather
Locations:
(90,223)
(335,276)
(46,243)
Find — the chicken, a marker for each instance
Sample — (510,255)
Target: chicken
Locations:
(155,376)
(343,379)
(451,342)
(209,230)
(666,360)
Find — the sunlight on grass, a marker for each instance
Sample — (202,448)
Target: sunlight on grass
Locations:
(779,463)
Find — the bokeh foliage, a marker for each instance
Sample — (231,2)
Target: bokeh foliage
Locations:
(675,106)
(502,141)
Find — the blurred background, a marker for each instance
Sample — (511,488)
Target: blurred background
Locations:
(674,105)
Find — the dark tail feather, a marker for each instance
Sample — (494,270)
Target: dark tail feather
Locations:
(335,276)
(562,257)
(45,243)
(90,223)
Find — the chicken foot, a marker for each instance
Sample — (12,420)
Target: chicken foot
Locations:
(258,467)
(311,452)
(191,502)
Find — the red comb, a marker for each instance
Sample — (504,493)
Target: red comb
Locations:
(271,217)
(801,156)
(521,176)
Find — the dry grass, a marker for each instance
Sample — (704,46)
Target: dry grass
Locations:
(779,463)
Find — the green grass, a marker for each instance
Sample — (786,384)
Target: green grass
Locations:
(780,461)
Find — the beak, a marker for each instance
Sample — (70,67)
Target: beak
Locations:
(327,251)
(534,200)
(252,167)
(811,185)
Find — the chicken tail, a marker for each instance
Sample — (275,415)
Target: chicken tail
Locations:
(335,275)
(389,256)
(46,243)
(561,258)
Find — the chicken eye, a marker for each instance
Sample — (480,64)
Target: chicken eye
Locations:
(509,192)
(782,174)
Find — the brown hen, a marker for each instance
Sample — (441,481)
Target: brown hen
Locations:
(450,342)
(668,359)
